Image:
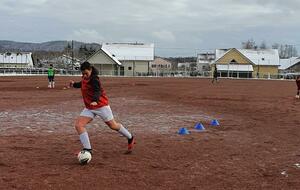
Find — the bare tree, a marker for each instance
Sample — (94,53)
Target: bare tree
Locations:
(263,45)
(249,44)
(285,51)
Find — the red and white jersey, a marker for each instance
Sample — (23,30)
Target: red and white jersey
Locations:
(92,91)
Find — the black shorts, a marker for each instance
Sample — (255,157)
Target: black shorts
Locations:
(51,78)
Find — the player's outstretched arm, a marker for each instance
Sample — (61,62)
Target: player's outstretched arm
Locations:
(75,84)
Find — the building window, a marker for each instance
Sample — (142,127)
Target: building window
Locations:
(129,68)
(233,62)
(263,59)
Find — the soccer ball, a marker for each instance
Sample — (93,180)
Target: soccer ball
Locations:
(297,96)
(84,157)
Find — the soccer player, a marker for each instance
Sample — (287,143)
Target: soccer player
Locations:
(96,103)
(215,75)
(298,86)
(51,73)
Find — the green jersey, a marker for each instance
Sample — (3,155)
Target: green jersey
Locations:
(50,72)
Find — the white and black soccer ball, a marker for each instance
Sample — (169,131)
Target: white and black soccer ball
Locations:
(84,157)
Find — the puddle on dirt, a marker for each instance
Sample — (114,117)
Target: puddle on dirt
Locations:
(138,115)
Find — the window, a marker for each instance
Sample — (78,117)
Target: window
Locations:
(233,62)
(129,68)
(263,59)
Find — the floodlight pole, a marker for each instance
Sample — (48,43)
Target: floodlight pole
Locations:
(72,56)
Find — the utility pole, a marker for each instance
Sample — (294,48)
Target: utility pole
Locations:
(72,61)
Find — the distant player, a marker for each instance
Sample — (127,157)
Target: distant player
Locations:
(215,75)
(51,73)
(96,104)
(298,86)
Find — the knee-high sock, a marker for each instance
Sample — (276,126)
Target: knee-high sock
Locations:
(124,132)
(85,141)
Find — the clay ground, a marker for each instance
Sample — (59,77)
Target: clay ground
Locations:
(257,145)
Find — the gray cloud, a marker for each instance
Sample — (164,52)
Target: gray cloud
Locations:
(191,25)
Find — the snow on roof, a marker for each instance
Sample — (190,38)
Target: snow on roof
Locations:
(262,56)
(286,63)
(69,57)
(130,51)
(236,67)
(111,56)
(16,58)
(161,61)
(220,53)
(258,57)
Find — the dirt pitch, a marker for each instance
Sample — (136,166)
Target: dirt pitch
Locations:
(257,145)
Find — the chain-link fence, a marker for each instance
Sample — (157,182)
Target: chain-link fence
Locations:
(35,71)
(169,73)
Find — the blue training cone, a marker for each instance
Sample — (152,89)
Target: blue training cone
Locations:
(214,122)
(199,127)
(183,131)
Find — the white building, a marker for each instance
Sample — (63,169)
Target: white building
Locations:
(105,63)
(16,60)
(290,65)
(160,66)
(204,60)
(289,68)
(135,57)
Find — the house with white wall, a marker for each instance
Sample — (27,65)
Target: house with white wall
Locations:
(136,58)
(16,60)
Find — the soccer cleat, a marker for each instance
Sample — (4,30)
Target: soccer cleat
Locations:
(89,150)
(131,143)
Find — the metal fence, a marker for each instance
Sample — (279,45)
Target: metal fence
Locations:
(34,71)
(169,73)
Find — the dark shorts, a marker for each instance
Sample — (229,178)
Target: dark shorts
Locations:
(51,78)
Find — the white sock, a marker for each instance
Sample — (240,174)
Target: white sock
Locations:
(85,141)
(124,132)
(49,85)
(53,83)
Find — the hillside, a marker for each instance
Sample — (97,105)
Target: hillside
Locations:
(45,46)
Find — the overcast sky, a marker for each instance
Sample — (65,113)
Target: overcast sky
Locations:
(176,27)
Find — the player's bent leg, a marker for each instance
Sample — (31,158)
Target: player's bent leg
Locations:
(113,125)
(122,130)
(80,124)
